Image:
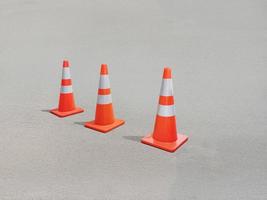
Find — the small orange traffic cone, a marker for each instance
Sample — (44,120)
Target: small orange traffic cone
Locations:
(165,134)
(104,116)
(66,104)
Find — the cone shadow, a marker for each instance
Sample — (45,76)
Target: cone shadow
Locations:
(80,123)
(45,110)
(134,138)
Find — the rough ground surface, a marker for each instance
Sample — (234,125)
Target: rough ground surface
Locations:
(217,50)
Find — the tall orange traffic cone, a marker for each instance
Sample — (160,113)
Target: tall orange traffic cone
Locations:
(104,116)
(66,104)
(165,134)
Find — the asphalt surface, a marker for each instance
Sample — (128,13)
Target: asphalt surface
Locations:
(217,50)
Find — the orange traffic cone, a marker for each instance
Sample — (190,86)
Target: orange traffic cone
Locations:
(165,134)
(104,116)
(66,104)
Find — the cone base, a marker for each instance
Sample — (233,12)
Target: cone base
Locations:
(65,114)
(166,146)
(105,128)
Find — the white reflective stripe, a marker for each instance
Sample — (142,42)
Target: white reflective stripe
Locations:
(166,110)
(66,73)
(104,82)
(166,87)
(104,99)
(66,89)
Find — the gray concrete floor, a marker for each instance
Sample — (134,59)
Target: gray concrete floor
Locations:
(217,50)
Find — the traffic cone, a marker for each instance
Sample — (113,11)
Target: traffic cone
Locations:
(165,134)
(66,104)
(104,116)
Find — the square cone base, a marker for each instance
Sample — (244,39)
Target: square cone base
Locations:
(104,128)
(68,113)
(166,146)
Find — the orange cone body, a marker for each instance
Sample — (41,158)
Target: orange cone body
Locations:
(66,104)
(104,115)
(165,134)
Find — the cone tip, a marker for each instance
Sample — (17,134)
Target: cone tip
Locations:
(104,69)
(167,73)
(66,63)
